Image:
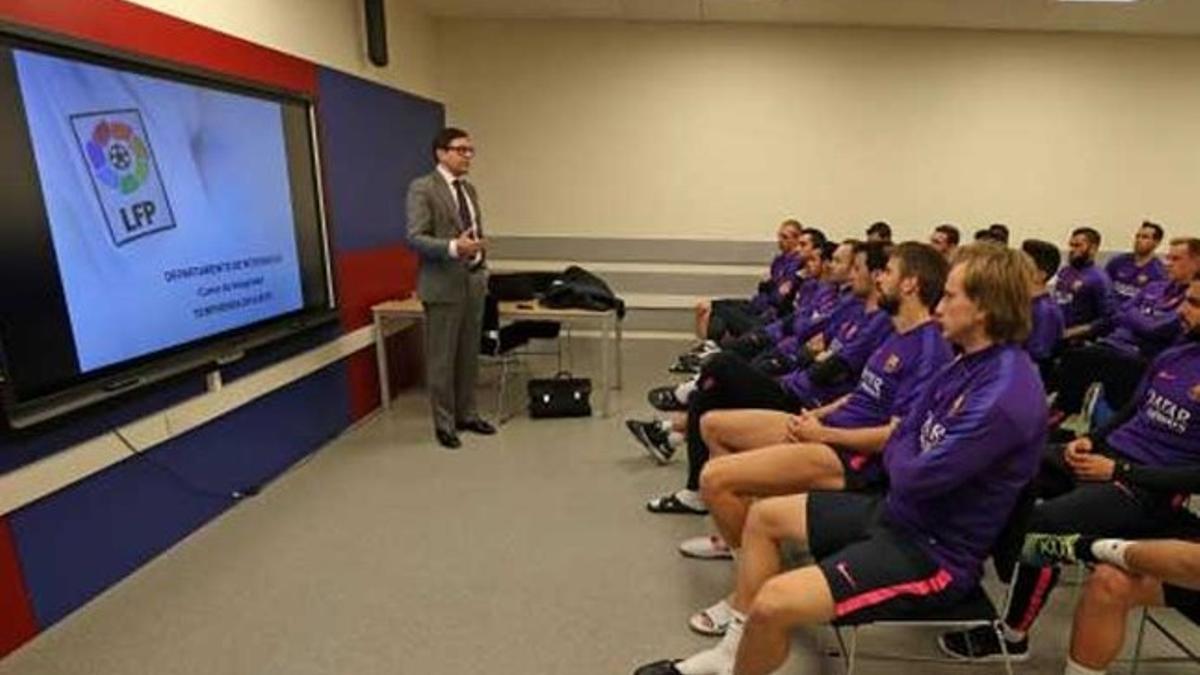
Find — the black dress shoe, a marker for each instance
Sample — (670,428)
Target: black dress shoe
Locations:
(478,426)
(448,439)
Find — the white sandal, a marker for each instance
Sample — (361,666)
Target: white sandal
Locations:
(710,547)
(713,620)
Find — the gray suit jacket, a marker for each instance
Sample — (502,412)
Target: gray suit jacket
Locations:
(432,223)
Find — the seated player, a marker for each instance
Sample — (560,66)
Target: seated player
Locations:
(1048,325)
(727,381)
(1130,272)
(1129,479)
(956,467)
(1082,290)
(1128,574)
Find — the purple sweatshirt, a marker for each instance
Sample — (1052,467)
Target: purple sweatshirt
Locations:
(784,268)
(1128,279)
(1047,330)
(1083,294)
(1148,323)
(962,456)
(894,378)
(1165,431)
(853,342)
(820,304)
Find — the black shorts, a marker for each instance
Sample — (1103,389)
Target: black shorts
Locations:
(732,317)
(863,473)
(1184,600)
(874,571)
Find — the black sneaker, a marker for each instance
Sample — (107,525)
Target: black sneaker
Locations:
(653,438)
(981,644)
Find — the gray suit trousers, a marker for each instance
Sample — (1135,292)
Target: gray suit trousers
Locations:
(452,335)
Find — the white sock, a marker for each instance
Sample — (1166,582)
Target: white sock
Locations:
(675,439)
(718,660)
(1111,551)
(1076,669)
(691,498)
(684,391)
(665,425)
(1011,635)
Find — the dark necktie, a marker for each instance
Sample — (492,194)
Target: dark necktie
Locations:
(464,215)
(464,210)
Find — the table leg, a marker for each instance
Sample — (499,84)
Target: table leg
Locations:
(620,346)
(381,363)
(605,368)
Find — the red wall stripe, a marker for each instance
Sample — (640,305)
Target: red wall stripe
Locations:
(140,30)
(17,624)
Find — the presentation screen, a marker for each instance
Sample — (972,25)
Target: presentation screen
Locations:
(148,211)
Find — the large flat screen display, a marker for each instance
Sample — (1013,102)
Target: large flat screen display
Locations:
(148,211)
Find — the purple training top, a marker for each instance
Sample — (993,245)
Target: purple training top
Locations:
(784,268)
(960,459)
(1083,294)
(821,304)
(894,378)
(853,342)
(1047,330)
(1148,323)
(1128,277)
(1166,429)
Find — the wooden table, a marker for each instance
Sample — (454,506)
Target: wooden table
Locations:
(393,316)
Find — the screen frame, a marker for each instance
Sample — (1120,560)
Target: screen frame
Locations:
(85,389)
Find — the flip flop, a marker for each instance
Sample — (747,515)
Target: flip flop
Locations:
(712,621)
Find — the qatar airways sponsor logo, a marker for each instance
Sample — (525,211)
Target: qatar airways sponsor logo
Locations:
(1165,412)
(871,383)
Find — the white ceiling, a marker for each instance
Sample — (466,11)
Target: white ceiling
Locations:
(1144,16)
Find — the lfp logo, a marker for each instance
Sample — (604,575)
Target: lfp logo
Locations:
(116,150)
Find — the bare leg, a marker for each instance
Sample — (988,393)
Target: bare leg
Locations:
(729,431)
(769,522)
(1098,633)
(678,421)
(798,598)
(727,483)
(703,312)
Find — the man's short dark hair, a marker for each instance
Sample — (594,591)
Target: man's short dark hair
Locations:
(1046,256)
(1155,228)
(447,136)
(927,265)
(880,230)
(1089,233)
(999,232)
(951,232)
(818,237)
(986,236)
(827,250)
(877,254)
(1192,244)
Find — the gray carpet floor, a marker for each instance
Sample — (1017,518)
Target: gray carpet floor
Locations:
(525,553)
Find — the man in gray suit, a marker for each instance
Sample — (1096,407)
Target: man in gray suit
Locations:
(445,228)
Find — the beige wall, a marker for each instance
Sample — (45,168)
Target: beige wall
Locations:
(721,130)
(328,32)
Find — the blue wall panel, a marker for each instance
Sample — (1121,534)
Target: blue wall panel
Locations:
(77,542)
(375,140)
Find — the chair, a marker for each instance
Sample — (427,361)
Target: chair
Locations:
(975,610)
(1148,619)
(502,346)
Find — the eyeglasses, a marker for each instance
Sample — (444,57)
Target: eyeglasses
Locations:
(464,150)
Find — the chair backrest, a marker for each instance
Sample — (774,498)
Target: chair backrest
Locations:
(1007,549)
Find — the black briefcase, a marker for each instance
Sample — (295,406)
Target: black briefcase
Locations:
(560,396)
